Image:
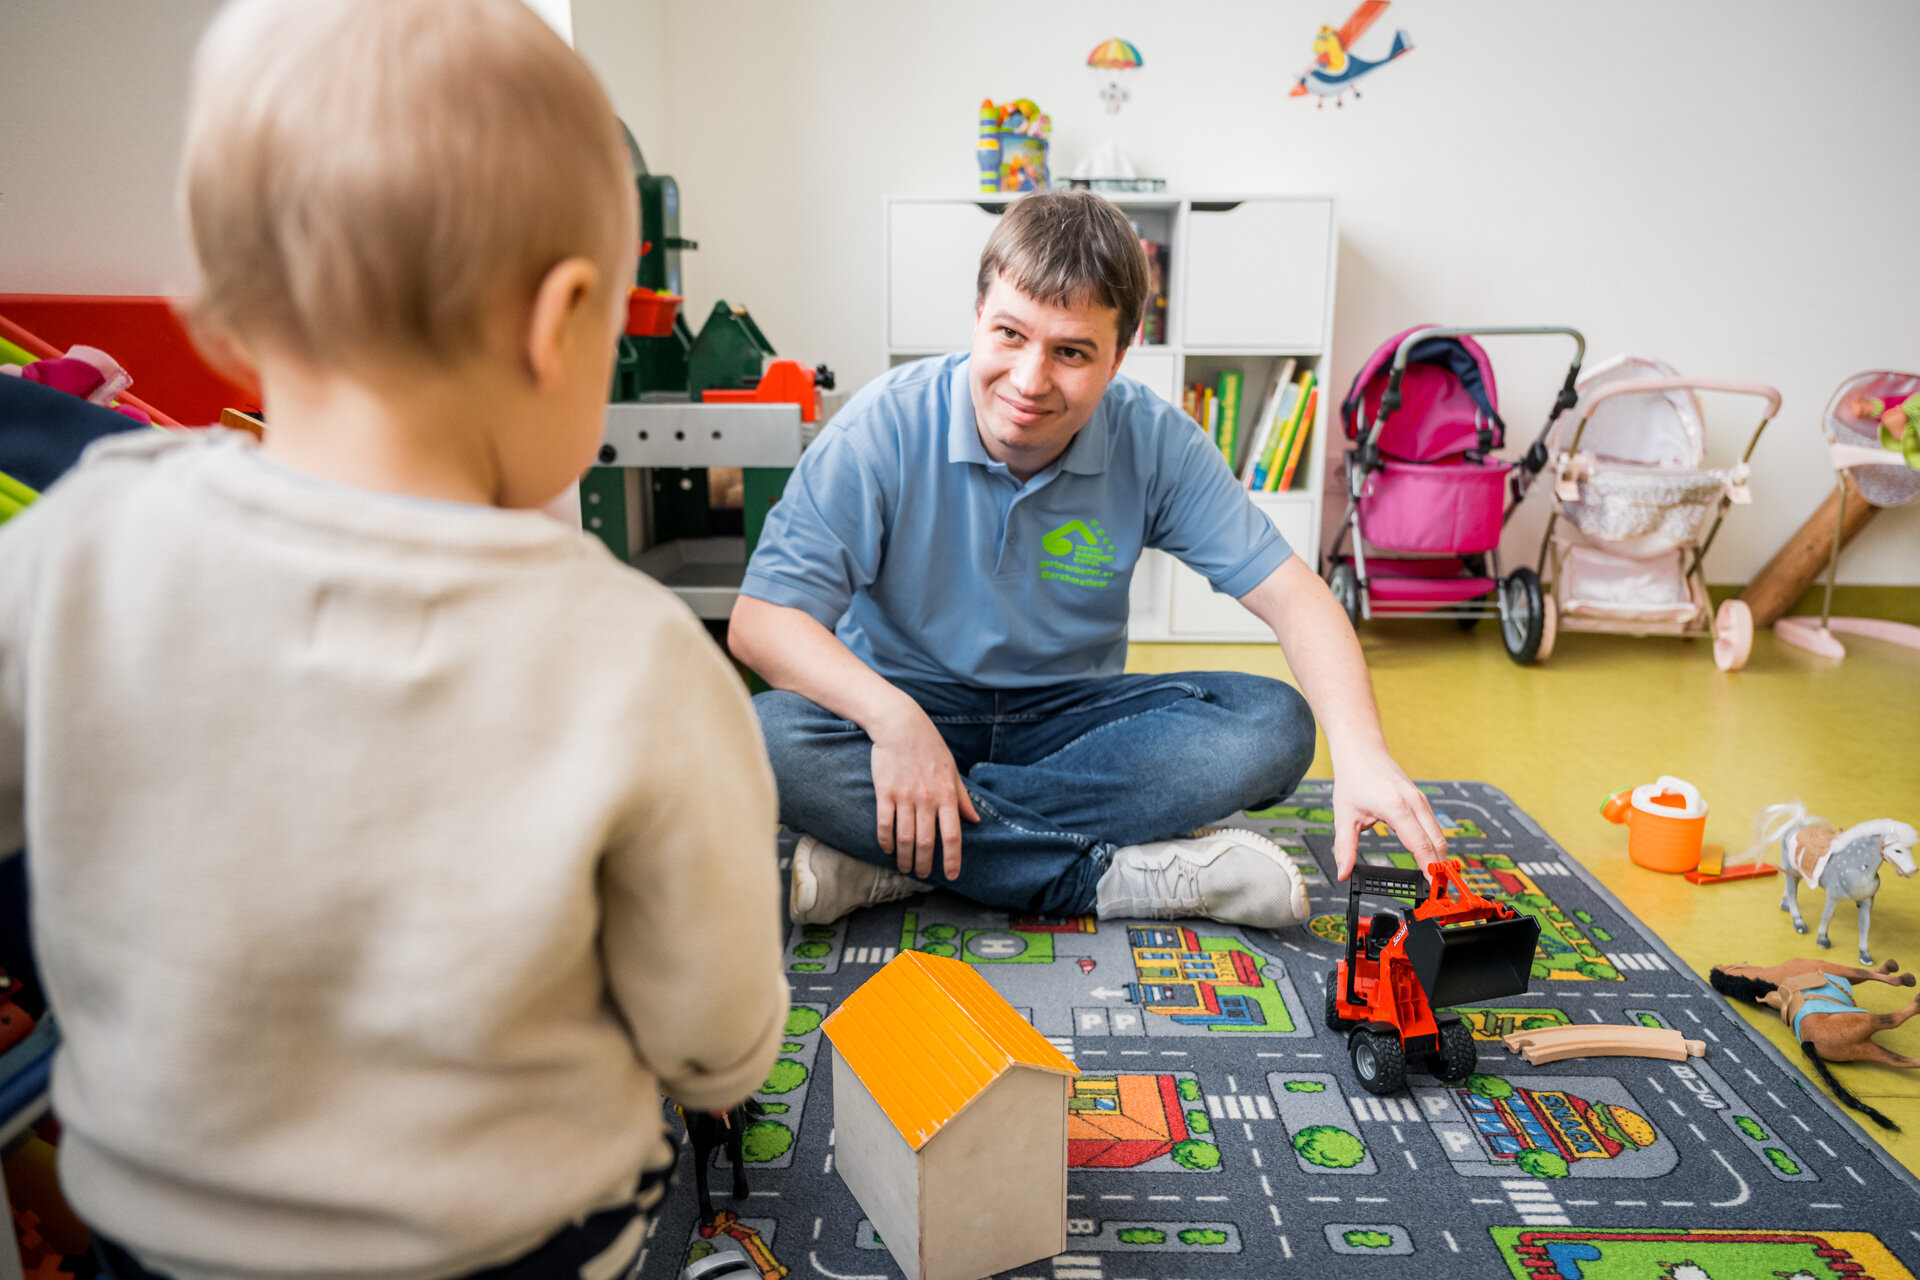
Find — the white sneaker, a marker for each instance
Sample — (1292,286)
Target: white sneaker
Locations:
(827,884)
(1221,874)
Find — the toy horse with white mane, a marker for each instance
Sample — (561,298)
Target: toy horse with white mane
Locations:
(1844,863)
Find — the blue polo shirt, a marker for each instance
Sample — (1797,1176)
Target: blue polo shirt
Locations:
(931,561)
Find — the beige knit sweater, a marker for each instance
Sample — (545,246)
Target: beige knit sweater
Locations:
(389,858)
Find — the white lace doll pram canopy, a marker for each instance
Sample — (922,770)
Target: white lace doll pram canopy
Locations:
(1660,429)
(1639,486)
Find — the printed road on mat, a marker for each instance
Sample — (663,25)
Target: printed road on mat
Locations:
(1218,1129)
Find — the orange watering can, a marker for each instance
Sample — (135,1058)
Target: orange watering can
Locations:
(1665,820)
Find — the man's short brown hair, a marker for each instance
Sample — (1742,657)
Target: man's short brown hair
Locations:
(1065,248)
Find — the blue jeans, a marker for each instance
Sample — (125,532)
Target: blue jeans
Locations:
(1061,776)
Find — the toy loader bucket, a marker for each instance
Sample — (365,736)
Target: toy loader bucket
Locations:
(1462,963)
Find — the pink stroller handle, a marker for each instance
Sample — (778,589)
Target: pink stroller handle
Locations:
(1489,331)
(1657,385)
(1536,456)
(1397,370)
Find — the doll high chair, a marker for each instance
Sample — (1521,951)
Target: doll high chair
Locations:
(1886,469)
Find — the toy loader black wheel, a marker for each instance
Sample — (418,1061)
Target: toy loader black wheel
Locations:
(1523,615)
(1334,1021)
(1379,1060)
(1458,1055)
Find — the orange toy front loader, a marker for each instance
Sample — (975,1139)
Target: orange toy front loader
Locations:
(1394,988)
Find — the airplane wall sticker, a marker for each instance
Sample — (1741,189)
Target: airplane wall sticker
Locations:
(1335,70)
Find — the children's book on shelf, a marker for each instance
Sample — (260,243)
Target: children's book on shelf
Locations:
(1153,321)
(1227,434)
(1197,401)
(1282,445)
(1203,404)
(1259,454)
(1272,411)
(1300,438)
(1272,453)
(1297,427)
(1262,426)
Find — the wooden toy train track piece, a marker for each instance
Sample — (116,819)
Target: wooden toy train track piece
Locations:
(1555,1044)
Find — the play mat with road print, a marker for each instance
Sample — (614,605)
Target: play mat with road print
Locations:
(1218,1129)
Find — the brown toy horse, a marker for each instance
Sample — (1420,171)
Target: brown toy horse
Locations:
(1815,998)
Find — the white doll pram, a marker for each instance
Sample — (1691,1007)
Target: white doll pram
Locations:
(1640,508)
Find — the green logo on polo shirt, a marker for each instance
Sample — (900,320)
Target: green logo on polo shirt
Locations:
(1078,552)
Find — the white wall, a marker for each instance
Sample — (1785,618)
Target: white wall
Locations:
(1714,183)
(558,15)
(625,41)
(93,99)
(1727,184)
(93,103)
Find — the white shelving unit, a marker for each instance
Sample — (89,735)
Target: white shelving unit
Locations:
(1250,284)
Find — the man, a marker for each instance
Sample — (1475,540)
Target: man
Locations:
(940,603)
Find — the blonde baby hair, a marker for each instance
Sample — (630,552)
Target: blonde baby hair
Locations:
(367,178)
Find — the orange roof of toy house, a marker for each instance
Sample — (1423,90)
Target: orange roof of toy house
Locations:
(927,1035)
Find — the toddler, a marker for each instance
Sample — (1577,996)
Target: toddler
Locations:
(392,846)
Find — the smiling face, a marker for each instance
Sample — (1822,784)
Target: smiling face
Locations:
(1037,373)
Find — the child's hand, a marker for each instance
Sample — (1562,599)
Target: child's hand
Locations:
(1368,787)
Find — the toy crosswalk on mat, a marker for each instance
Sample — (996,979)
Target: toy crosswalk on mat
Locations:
(1218,1128)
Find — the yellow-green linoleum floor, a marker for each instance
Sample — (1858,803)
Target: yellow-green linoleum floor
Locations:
(1608,712)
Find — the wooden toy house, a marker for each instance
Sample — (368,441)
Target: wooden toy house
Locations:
(950,1120)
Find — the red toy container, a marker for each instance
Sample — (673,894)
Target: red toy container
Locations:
(650,315)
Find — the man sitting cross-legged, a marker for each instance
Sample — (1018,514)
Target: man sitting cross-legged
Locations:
(939,601)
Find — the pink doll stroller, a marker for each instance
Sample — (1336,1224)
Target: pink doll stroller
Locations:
(1424,487)
(1641,508)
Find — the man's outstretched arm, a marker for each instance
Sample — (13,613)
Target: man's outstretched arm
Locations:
(1325,657)
(919,798)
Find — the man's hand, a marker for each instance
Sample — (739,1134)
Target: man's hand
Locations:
(1322,653)
(918,795)
(1369,787)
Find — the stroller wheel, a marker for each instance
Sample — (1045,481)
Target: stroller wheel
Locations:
(1346,589)
(1523,615)
(1732,635)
